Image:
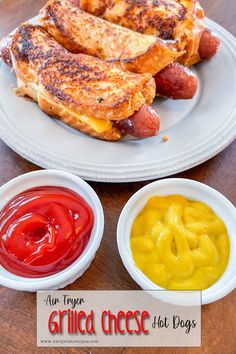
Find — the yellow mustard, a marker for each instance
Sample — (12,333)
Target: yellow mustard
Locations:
(180,244)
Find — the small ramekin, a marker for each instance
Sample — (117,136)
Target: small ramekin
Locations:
(192,190)
(75,270)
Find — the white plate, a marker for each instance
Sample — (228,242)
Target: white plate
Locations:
(198,129)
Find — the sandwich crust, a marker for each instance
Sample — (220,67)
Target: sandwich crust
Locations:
(5,50)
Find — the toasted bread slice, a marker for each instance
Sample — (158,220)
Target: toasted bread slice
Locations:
(80,32)
(157,18)
(179,20)
(83,91)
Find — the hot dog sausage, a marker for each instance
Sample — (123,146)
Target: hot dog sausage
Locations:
(5,53)
(209,44)
(142,124)
(176,82)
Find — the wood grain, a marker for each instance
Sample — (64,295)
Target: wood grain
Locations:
(17,309)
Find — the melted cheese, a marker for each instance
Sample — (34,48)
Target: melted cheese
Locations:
(99,125)
(31,89)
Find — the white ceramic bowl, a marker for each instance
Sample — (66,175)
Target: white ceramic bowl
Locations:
(75,270)
(192,190)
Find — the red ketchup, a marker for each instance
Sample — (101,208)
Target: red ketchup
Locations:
(44,230)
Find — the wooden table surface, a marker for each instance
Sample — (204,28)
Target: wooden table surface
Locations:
(17,309)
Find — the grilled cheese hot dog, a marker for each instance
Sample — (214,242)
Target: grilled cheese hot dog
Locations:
(81,32)
(89,94)
(179,20)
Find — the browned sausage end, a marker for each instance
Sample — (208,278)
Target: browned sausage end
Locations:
(176,82)
(209,45)
(142,124)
